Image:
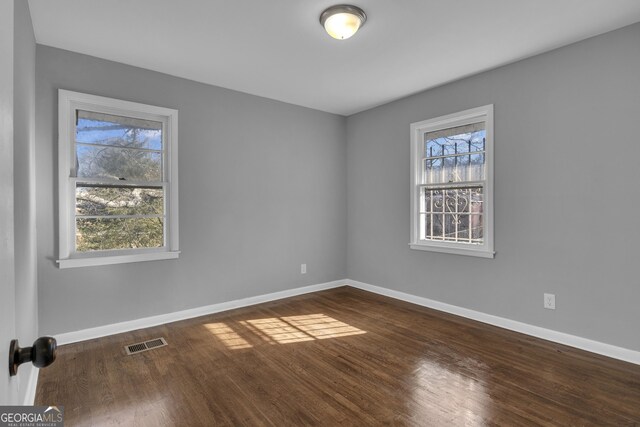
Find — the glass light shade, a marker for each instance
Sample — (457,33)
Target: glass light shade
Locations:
(341,26)
(342,21)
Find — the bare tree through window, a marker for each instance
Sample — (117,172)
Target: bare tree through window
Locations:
(120,199)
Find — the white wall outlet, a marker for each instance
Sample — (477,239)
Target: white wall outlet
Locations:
(550,301)
(303,268)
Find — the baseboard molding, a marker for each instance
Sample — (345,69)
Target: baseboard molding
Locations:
(32,384)
(608,350)
(597,347)
(147,322)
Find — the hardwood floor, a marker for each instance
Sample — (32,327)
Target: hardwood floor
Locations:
(338,357)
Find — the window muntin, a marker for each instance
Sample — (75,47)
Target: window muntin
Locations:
(452,183)
(118,181)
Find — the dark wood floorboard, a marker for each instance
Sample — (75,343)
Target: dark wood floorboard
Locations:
(338,357)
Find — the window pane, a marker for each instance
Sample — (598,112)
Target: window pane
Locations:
(102,200)
(450,223)
(460,147)
(456,140)
(437,227)
(452,214)
(454,169)
(107,129)
(467,168)
(457,144)
(433,200)
(463,227)
(476,228)
(94,234)
(118,163)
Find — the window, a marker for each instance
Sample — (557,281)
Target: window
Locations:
(452,183)
(118,181)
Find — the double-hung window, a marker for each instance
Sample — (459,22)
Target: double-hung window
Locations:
(118,181)
(452,183)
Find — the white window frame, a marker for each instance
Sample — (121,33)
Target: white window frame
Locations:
(418,130)
(68,103)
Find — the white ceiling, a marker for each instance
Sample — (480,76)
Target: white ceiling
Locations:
(277,48)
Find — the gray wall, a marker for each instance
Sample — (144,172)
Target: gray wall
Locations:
(262,190)
(566,192)
(566,148)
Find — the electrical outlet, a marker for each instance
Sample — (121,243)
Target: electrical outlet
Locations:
(303,268)
(550,301)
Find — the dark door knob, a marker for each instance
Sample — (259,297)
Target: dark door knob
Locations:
(41,354)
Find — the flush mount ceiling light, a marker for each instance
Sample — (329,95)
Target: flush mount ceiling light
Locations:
(342,21)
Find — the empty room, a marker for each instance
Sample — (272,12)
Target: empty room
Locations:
(307,213)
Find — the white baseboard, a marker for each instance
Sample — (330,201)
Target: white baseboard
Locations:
(147,322)
(32,383)
(547,334)
(608,350)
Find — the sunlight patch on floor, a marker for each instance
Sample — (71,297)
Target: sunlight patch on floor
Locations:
(321,326)
(279,330)
(228,336)
(282,330)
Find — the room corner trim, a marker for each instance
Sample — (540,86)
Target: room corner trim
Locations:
(597,347)
(32,384)
(147,322)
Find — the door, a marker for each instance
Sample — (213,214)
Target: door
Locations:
(8,386)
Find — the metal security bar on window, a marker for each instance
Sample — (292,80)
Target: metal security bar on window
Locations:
(451,193)
(452,214)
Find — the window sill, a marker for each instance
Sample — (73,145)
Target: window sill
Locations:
(115,259)
(456,251)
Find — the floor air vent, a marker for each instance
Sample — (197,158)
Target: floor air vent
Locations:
(144,346)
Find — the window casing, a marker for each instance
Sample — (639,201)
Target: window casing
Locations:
(118,181)
(452,183)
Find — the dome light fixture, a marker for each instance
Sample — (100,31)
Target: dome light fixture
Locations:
(342,21)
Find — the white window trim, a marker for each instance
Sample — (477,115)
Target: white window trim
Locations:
(68,102)
(418,129)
